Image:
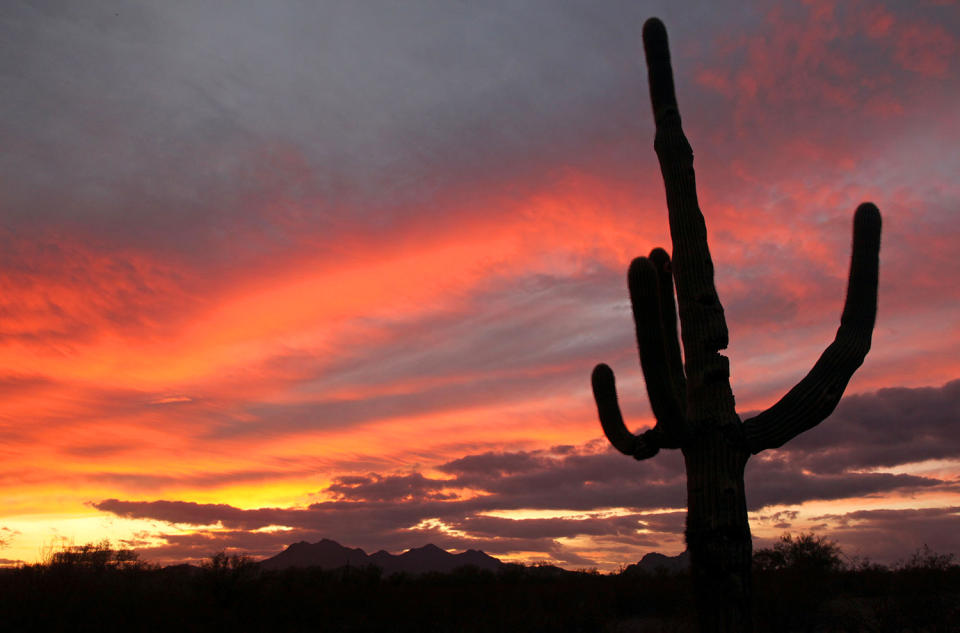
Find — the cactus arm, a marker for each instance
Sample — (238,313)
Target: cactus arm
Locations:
(668,322)
(815,397)
(702,323)
(643,282)
(605,394)
(660,74)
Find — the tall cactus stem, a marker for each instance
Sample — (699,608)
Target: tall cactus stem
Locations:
(691,398)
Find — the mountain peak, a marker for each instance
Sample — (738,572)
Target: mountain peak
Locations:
(329,554)
(429,547)
(655,561)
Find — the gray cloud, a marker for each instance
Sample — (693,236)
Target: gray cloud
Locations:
(138,118)
(390,488)
(892,535)
(775,482)
(181,106)
(890,427)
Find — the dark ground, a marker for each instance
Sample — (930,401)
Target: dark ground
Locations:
(235,595)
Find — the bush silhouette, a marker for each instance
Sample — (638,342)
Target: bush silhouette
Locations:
(230,593)
(94,556)
(806,553)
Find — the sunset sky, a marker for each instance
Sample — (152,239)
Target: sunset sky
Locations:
(284,271)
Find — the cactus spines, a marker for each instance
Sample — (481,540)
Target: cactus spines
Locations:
(692,402)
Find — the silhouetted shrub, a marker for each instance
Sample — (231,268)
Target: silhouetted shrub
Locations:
(925,559)
(805,553)
(89,590)
(94,556)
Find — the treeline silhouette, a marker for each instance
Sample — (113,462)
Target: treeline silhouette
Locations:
(803,583)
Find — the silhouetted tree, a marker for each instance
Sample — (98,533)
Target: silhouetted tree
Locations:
(94,556)
(692,401)
(806,553)
(926,559)
(221,562)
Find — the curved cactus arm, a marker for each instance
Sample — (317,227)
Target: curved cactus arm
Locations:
(668,322)
(702,324)
(815,397)
(644,284)
(605,394)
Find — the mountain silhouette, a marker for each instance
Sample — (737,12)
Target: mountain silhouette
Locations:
(656,562)
(326,553)
(329,554)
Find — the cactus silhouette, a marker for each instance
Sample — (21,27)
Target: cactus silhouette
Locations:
(691,399)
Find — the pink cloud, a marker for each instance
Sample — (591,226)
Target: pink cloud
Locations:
(927,49)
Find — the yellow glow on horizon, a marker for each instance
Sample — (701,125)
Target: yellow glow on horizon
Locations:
(270,529)
(915,501)
(36,536)
(437,524)
(946,468)
(532,513)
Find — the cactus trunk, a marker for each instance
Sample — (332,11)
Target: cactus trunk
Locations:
(718,534)
(693,404)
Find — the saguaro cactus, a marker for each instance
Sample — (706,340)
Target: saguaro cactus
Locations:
(692,402)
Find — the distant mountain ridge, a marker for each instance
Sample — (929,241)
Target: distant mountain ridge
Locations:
(655,561)
(329,554)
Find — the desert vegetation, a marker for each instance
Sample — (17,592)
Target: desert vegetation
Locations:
(690,395)
(803,583)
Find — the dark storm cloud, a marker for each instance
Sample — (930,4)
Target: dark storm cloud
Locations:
(388,511)
(891,535)
(374,510)
(369,527)
(190,513)
(887,428)
(777,482)
(873,431)
(389,488)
